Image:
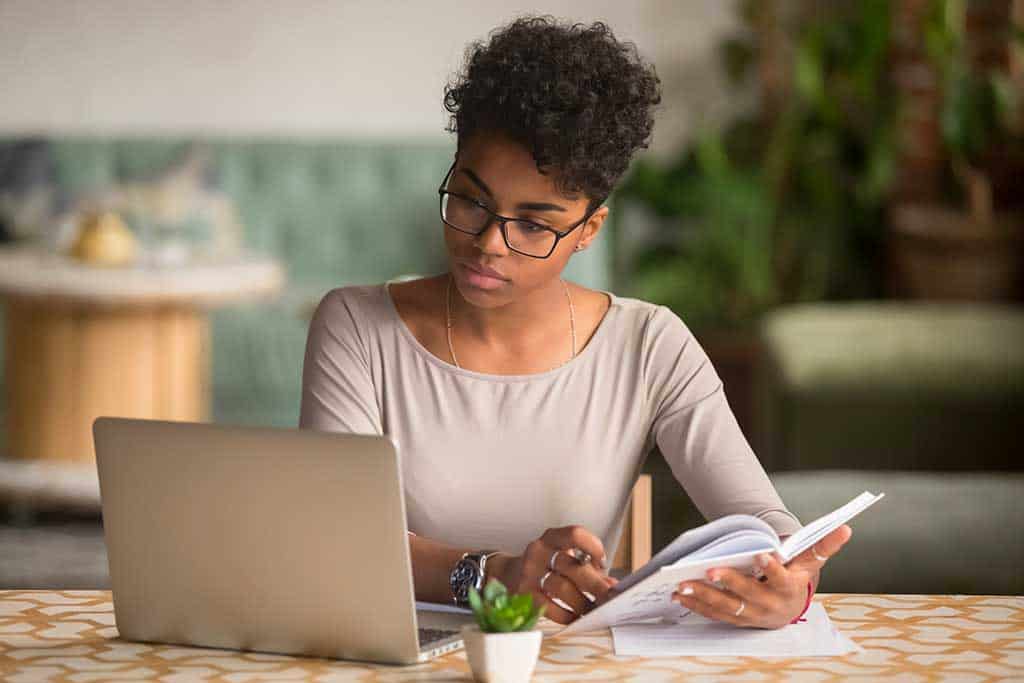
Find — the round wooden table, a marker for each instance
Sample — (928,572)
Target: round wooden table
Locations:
(83,341)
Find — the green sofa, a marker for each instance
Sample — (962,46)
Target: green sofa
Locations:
(335,212)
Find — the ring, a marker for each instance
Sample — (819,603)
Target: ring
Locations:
(543,579)
(551,562)
(818,557)
(738,612)
(581,556)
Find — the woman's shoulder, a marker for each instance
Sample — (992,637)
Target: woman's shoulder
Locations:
(647,319)
(351,300)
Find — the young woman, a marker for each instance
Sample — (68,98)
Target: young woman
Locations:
(524,405)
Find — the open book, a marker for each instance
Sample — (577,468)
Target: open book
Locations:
(731,541)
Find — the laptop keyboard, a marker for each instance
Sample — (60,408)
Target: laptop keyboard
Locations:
(432,635)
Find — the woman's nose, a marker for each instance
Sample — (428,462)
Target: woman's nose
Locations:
(491,241)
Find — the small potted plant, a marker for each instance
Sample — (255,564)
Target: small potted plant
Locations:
(503,645)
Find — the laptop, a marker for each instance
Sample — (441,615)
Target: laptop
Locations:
(288,541)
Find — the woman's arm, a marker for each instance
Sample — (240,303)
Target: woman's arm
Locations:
(432,563)
(338,393)
(698,435)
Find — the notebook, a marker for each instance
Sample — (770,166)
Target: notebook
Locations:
(731,541)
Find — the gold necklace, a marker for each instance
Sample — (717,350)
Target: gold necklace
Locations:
(448,322)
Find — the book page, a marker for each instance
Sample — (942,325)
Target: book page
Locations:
(693,540)
(826,524)
(743,541)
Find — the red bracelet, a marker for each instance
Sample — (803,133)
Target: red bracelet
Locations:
(807,605)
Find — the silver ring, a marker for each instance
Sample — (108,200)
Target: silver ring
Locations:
(543,579)
(738,612)
(551,562)
(818,557)
(581,556)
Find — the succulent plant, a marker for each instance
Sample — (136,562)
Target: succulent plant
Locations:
(498,612)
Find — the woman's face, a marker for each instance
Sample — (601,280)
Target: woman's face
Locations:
(502,175)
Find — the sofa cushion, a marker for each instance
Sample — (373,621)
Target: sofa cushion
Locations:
(892,386)
(937,532)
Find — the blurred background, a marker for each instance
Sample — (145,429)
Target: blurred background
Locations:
(832,202)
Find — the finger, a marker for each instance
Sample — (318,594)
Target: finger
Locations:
(535,560)
(815,557)
(776,574)
(576,536)
(715,603)
(586,578)
(557,586)
(743,585)
(552,610)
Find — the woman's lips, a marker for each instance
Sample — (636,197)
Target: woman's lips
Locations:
(479,280)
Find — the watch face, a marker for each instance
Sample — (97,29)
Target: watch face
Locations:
(463,576)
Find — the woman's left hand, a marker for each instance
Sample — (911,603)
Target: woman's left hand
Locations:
(770,603)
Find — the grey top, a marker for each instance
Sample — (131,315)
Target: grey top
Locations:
(491,461)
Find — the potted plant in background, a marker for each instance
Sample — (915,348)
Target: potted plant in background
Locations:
(784,204)
(502,647)
(970,248)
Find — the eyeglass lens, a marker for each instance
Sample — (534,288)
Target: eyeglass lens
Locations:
(472,218)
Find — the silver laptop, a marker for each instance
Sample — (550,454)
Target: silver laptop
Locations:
(272,540)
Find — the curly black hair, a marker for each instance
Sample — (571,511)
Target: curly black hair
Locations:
(580,100)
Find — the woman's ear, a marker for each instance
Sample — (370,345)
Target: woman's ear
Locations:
(591,228)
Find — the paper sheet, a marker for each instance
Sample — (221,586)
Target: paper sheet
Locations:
(696,635)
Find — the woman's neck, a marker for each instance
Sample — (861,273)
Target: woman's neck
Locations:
(516,324)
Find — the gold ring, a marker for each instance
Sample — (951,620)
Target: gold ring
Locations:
(818,557)
(738,612)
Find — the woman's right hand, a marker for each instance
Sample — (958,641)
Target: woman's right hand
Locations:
(567,582)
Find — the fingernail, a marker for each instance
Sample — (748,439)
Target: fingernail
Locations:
(714,576)
(762,560)
(688,590)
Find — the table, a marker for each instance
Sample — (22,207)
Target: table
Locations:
(83,341)
(70,636)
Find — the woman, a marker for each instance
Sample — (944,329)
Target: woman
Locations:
(524,405)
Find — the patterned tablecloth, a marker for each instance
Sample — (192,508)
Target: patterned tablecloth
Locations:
(70,636)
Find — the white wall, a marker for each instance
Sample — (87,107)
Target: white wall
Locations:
(304,68)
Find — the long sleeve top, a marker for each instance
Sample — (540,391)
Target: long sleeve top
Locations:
(491,461)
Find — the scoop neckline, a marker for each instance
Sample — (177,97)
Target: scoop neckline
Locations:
(491,377)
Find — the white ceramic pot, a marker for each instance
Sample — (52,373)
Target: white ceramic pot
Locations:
(501,657)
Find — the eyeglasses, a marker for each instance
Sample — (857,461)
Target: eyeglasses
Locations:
(467,215)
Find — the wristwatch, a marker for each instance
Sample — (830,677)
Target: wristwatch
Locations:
(469,573)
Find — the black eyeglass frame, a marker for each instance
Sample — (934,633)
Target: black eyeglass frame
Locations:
(502,220)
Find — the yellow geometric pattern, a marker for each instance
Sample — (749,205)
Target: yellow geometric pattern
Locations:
(70,636)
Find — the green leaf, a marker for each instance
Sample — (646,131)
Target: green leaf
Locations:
(493,589)
(475,602)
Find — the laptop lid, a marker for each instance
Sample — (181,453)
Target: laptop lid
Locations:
(256,538)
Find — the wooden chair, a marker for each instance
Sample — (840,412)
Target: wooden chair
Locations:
(634,549)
